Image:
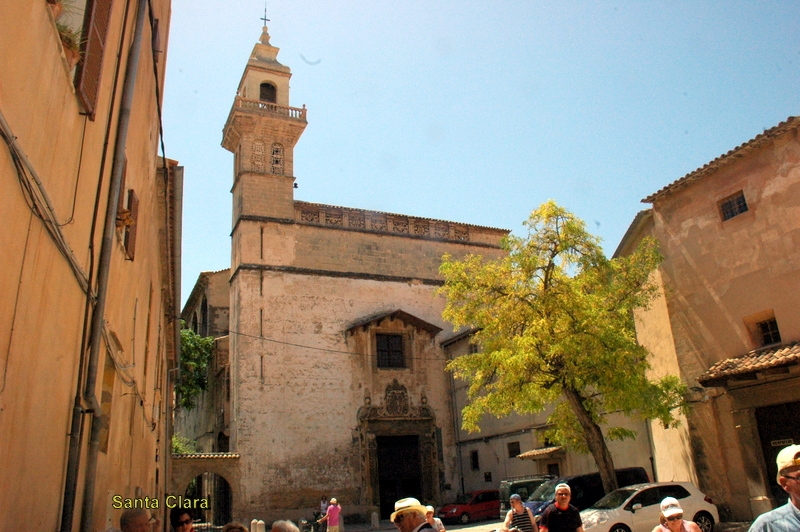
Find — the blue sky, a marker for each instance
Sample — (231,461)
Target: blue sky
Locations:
(478,112)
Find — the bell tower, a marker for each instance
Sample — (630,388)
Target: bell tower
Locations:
(261,132)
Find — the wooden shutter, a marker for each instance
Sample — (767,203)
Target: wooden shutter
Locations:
(130,231)
(95,30)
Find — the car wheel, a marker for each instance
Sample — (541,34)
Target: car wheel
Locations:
(464,518)
(619,528)
(704,521)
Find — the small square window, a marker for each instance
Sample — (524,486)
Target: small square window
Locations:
(733,206)
(513,449)
(474,462)
(487,477)
(769,332)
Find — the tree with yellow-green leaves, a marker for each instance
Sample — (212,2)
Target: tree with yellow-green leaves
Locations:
(554,322)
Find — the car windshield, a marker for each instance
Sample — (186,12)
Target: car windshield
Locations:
(544,492)
(613,499)
(463,498)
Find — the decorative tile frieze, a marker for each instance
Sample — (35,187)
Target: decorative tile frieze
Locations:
(334,218)
(441,231)
(400,225)
(379,222)
(356,221)
(309,217)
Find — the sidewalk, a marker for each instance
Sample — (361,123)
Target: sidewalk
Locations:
(487,526)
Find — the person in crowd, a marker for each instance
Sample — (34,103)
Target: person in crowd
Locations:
(332,515)
(561,516)
(235,527)
(409,516)
(136,520)
(323,508)
(519,517)
(435,522)
(181,520)
(787,517)
(671,519)
(284,526)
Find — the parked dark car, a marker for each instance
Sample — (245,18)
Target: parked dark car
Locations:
(522,486)
(472,506)
(586,489)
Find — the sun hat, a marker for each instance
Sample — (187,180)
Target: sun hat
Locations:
(670,506)
(788,458)
(334,501)
(429,509)
(406,505)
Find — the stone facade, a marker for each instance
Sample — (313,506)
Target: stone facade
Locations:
(90,233)
(337,381)
(727,319)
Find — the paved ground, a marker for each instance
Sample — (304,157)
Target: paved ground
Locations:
(489,526)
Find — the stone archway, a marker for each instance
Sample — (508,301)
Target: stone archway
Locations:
(396,424)
(219,474)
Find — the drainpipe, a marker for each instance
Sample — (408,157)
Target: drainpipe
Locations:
(109,229)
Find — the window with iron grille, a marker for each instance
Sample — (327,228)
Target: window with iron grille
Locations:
(390,351)
(733,206)
(769,332)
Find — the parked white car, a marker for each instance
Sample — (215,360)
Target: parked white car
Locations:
(637,508)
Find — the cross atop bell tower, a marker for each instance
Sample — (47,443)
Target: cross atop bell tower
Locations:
(261,132)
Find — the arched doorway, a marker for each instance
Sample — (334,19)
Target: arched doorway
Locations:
(216,490)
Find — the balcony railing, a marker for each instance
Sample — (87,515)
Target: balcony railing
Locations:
(272,108)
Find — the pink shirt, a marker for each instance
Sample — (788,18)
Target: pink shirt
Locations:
(333,514)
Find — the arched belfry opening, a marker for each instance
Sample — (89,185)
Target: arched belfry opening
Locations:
(268,93)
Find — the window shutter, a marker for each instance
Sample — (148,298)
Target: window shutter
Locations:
(95,28)
(130,231)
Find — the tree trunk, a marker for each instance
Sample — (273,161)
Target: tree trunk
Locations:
(594,440)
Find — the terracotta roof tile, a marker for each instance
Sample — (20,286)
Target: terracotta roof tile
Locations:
(751,363)
(535,453)
(204,455)
(791,123)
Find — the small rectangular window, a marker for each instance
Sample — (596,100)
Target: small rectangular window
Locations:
(513,449)
(733,206)
(769,332)
(487,477)
(390,351)
(473,460)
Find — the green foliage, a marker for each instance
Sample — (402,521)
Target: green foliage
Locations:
(196,352)
(554,319)
(181,445)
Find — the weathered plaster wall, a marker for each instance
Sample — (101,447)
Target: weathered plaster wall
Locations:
(719,277)
(43,307)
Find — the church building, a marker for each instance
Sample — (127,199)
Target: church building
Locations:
(329,372)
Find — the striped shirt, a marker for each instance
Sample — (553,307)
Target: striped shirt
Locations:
(521,521)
